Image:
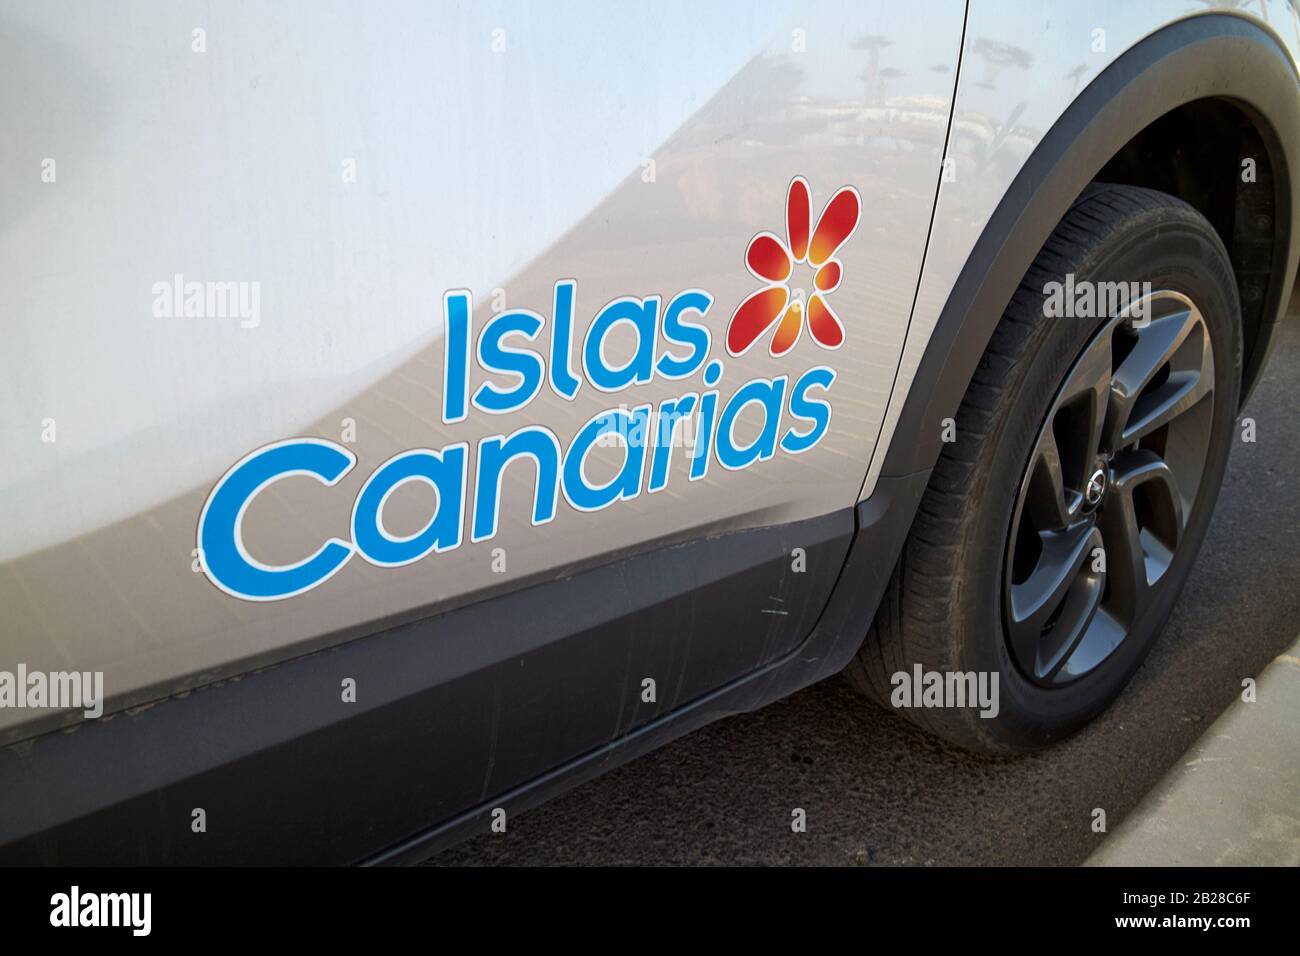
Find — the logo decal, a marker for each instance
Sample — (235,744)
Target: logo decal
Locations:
(775,262)
(503,366)
(1095,490)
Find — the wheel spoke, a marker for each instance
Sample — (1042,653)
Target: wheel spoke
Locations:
(1045,498)
(1034,601)
(1137,556)
(1142,467)
(1125,563)
(1156,344)
(1077,612)
(1090,384)
(1178,394)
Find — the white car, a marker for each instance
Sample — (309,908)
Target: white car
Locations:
(412,410)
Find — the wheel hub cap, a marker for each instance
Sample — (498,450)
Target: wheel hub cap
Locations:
(1095,490)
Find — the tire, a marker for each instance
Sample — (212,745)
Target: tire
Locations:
(979,542)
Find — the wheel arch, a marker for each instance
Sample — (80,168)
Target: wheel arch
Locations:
(1212,62)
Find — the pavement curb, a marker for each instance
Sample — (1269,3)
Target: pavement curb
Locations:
(1234,797)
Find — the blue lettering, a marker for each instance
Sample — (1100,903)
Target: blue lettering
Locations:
(634,429)
(457,307)
(685,333)
(768,393)
(533,441)
(670,413)
(445,472)
(563,382)
(525,364)
(221,544)
(813,410)
(642,315)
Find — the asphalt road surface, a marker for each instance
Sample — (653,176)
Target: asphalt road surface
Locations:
(877,791)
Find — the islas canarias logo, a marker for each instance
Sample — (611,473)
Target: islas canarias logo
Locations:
(776,262)
(505,366)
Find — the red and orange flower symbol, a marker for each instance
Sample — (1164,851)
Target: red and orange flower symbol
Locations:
(774,262)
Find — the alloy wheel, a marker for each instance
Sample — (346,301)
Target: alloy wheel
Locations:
(1109,488)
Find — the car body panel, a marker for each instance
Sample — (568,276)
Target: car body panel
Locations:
(499,172)
(1022,67)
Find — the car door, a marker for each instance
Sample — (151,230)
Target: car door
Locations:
(325,321)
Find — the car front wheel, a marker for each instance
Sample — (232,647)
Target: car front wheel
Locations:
(1062,519)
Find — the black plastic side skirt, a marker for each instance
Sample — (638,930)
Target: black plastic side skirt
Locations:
(286,772)
(881,526)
